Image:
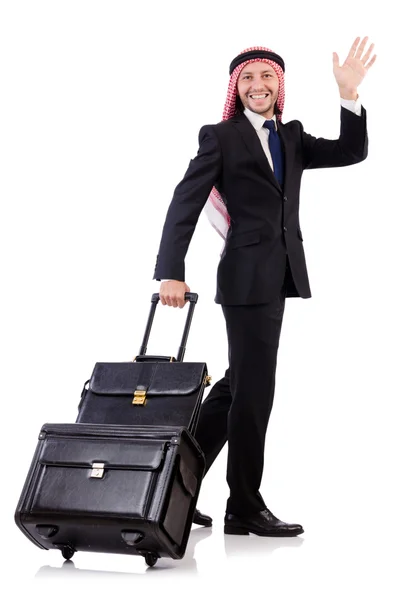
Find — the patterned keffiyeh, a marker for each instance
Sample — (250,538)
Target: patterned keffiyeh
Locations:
(215,207)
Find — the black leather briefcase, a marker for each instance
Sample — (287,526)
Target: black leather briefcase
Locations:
(150,390)
(112,488)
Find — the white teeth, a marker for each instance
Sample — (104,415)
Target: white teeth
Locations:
(256,96)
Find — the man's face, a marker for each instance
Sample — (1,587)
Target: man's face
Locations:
(257,87)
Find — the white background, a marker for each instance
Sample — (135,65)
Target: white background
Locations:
(100,107)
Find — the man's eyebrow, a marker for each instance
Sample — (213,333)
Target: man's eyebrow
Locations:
(250,72)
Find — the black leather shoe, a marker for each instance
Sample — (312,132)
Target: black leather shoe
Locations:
(263,523)
(200,519)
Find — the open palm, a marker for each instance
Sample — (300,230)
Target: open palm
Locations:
(354,69)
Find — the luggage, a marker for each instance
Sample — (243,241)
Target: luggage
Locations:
(151,390)
(126,476)
(112,488)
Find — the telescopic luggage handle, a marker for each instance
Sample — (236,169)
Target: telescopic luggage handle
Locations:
(192,299)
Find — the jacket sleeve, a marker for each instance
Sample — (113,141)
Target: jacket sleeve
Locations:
(350,148)
(188,201)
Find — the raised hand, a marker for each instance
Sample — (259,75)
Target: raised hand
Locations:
(354,69)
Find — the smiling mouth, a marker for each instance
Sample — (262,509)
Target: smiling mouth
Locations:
(258,96)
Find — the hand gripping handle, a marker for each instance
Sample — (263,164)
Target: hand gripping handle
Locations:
(192,299)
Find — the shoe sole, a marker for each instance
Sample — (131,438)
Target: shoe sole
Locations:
(234,530)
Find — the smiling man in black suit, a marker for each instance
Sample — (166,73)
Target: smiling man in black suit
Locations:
(248,173)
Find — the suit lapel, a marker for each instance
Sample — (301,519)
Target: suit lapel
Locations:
(253,144)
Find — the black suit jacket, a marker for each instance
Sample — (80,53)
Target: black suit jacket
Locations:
(264,217)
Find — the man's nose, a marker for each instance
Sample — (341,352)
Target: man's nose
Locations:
(258,84)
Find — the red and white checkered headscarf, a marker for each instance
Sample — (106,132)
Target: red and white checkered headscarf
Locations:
(215,208)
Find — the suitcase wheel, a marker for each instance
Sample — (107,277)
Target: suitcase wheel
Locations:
(67,552)
(150,559)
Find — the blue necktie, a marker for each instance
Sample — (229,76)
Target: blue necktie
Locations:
(276,151)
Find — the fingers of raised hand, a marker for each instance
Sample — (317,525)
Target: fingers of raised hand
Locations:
(365,62)
(367,54)
(361,47)
(354,47)
(357,49)
(371,62)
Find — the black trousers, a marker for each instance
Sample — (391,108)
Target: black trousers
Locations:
(238,407)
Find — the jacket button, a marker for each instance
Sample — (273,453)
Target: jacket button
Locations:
(285,199)
(285,229)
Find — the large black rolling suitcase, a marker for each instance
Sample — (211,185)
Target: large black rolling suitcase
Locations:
(150,390)
(111,488)
(126,477)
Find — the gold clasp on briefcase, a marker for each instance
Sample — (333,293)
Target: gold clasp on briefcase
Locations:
(97,470)
(139,397)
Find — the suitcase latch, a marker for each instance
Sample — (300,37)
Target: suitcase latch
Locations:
(139,397)
(97,470)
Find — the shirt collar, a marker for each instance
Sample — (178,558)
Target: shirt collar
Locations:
(257,120)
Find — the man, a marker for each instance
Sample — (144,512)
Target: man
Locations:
(247,174)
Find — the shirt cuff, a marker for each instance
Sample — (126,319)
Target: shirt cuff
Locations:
(352,105)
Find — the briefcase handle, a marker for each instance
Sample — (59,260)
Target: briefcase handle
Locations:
(192,299)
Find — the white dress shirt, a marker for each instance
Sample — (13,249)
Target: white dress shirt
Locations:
(257,122)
